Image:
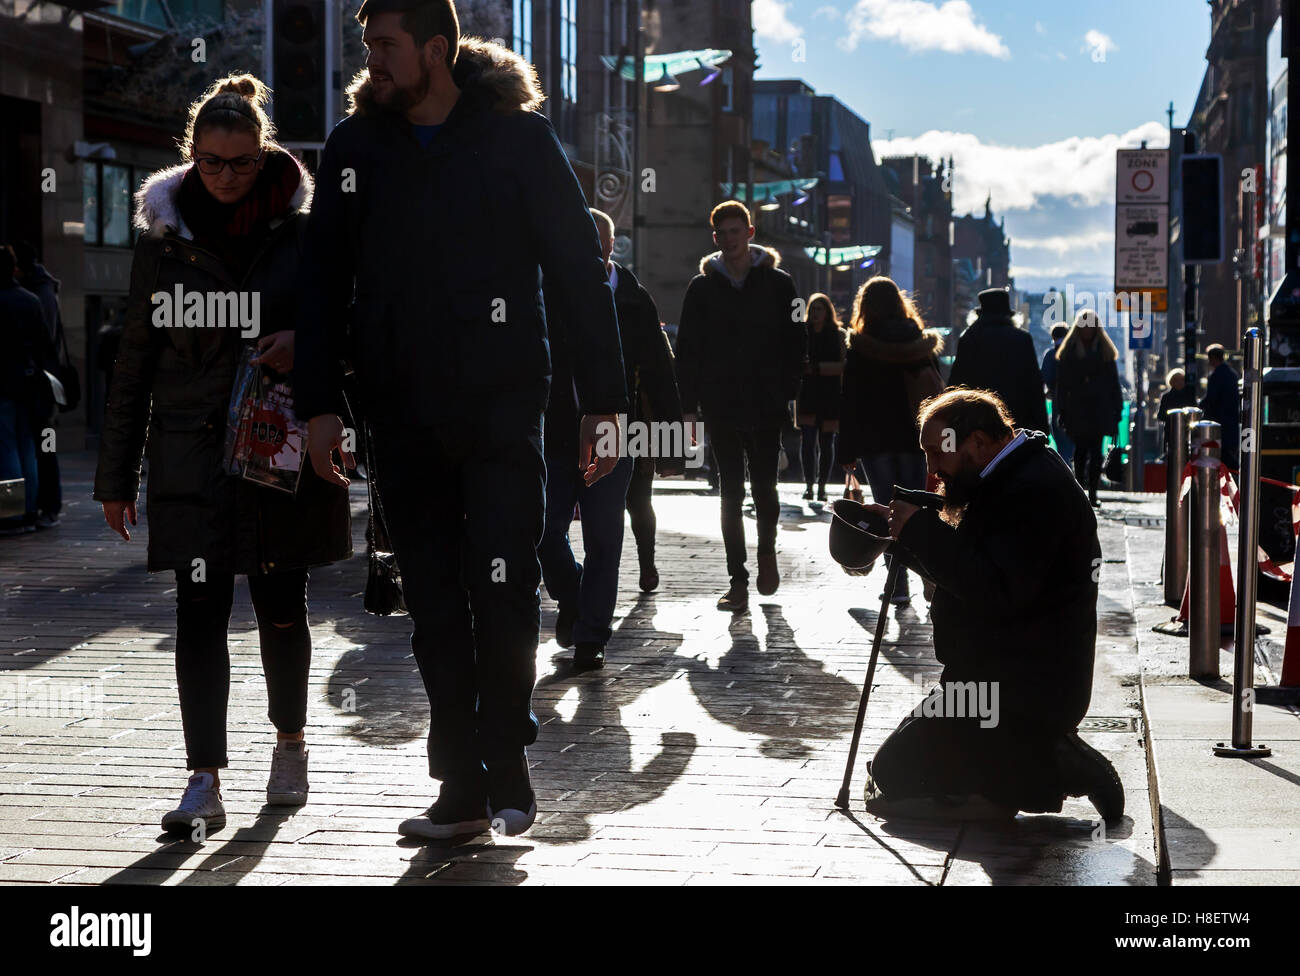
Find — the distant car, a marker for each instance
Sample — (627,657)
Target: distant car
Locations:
(1143,228)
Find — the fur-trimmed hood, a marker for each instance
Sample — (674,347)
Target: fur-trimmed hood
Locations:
(506,81)
(900,352)
(157,207)
(759,257)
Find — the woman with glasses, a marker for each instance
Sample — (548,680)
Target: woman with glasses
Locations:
(227,221)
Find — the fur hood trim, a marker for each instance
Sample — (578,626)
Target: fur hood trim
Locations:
(509,80)
(156,202)
(759,257)
(923,348)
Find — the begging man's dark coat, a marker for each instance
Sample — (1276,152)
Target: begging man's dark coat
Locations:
(447,313)
(1016,596)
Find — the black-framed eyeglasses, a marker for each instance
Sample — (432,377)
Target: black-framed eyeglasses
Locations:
(243,165)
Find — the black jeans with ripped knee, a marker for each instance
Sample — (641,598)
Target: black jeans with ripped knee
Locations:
(203,656)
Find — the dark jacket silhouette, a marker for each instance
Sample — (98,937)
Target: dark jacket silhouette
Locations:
(25,350)
(447,312)
(740,351)
(877,416)
(1016,596)
(1173,399)
(1088,394)
(647,361)
(1222,404)
(993,354)
(172,386)
(819,396)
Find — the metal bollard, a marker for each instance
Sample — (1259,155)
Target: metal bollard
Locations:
(1205,626)
(1243,672)
(1177,429)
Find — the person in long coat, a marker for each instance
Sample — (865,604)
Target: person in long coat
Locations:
(227,221)
(818,406)
(994,354)
(1088,395)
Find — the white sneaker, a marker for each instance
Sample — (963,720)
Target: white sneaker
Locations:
(287,785)
(200,807)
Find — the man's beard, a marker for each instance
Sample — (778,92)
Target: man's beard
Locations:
(957,490)
(403,99)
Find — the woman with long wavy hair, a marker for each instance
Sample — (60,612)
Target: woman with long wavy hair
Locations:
(228,220)
(891,354)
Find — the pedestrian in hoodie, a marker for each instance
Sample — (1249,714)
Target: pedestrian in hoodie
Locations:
(441,200)
(1088,395)
(818,406)
(994,354)
(586,592)
(740,354)
(891,354)
(33,276)
(229,219)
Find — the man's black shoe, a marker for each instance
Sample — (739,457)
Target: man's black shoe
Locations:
(460,810)
(649,581)
(564,621)
(769,577)
(1086,772)
(588,656)
(512,804)
(735,600)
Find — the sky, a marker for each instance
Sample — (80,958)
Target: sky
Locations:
(1030,98)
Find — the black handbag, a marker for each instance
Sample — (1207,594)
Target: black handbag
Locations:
(1116,459)
(384,579)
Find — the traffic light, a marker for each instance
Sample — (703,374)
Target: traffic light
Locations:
(298,66)
(1202,227)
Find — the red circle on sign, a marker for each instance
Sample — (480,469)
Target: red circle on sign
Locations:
(1143,180)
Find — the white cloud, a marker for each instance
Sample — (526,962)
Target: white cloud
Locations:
(829,11)
(772,21)
(920,25)
(1038,26)
(1062,244)
(1098,44)
(1080,169)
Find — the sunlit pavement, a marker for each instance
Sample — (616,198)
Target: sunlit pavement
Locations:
(708,750)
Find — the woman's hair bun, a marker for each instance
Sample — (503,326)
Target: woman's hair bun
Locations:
(246,85)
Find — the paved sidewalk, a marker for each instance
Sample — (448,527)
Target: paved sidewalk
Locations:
(1224,821)
(709,750)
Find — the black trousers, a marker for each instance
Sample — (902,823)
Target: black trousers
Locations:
(639,508)
(203,656)
(732,448)
(465,507)
(1087,463)
(1011,763)
(812,440)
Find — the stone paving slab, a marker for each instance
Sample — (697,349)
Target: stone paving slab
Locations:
(1223,821)
(707,752)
